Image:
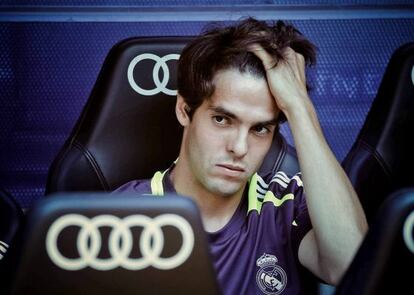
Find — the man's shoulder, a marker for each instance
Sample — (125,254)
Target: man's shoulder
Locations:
(280,180)
(140,186)
(282,191)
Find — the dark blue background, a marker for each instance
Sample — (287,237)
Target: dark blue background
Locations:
(199,2)
(47,70)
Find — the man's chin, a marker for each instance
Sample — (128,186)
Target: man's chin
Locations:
(227,188)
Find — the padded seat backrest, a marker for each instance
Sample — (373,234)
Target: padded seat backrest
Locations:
(383,264)
(11,225)
(382,158)
(128,128)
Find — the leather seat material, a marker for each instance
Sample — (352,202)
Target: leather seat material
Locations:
(382,263)
(381,159)
(122,135)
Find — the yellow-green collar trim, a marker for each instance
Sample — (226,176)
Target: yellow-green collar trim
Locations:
(157,188)
(254,203)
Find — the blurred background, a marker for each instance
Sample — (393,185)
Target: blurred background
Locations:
(51,52)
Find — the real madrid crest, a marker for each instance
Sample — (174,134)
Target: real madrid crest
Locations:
(270,278)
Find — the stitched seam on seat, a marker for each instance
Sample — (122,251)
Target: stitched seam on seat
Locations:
(377,157)
(280,157)
(57,165)
(93,163)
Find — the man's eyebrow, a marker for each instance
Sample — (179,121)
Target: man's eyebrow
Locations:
(227,113)
(269,122)
(275,121)
(223,111)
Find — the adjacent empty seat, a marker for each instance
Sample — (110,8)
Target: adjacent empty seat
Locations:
(382,158)
(383,264)
(11,223)
(90,243)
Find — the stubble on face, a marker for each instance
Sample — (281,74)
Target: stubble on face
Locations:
(221,144)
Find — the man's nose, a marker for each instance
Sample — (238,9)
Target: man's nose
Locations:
(238,143)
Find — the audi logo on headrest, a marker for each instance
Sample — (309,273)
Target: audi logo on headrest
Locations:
(160,62)
(89,242)
(412,75)
(408,232)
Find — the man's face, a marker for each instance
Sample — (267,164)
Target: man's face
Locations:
(230,133)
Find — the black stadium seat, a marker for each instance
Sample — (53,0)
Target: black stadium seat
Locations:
(381,160)
(11,224)
(383,264)
(128,129)
(68,248)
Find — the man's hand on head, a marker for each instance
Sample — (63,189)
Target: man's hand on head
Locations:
(286,78)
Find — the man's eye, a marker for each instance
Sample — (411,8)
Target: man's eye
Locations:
(219,120)
(261,130)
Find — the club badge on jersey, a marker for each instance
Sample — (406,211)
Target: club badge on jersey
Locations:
(270,278)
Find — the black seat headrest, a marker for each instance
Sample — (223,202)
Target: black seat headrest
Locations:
(121,133)
(383,262)
(382,159)
(128,128)
(11,226)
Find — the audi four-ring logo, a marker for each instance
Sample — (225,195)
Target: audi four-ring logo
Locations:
(412,75)
(160,62)
(408,232)
(120,241)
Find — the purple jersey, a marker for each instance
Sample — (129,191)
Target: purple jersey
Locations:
(256,252)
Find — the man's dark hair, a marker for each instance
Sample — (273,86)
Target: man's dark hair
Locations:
(223,48)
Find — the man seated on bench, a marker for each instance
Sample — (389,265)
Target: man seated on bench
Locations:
(235,85)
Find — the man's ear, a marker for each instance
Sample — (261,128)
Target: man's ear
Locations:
(181,111)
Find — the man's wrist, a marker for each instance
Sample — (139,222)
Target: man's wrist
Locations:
(300,110)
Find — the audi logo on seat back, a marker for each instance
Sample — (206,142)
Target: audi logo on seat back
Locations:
(412,75)
(89,242)
(408,231)
(160,63)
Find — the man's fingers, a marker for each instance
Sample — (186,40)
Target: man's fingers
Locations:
(294,61)
(267,60)
(300,59)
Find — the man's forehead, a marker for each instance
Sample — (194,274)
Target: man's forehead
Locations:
(236,72)
(242,93)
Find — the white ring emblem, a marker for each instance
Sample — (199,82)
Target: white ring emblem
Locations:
(412,75)
(151,242)
(160,62)
(408,232)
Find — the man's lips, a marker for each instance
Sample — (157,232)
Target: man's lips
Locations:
(233,168)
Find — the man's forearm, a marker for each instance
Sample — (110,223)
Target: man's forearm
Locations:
(337,216)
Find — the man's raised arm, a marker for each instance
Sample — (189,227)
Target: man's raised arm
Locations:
(338,220)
